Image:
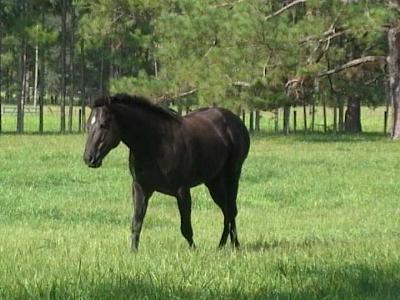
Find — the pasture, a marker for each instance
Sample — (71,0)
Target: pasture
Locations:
(319,218)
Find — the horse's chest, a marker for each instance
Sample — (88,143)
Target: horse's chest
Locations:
(157,178)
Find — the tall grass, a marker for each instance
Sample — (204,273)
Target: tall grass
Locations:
(318,219)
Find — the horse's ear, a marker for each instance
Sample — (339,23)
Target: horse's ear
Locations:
(108,101)
(89,102)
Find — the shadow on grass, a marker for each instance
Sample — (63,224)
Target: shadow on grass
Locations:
(285,282)
(318,137)
(264,245)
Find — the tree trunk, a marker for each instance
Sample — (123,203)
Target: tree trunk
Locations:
(8,86)
(1,69)
(294,121)
(27,94)
(386,115)
(394,78)
(324,113)
(21,78)
(155,68)
(83,92)
(335,127)
(111,66)
(352,123)
(341,114)
(63,63)
(316,98)
(258,118)
(41,91)
(312,117)
(251,121)
(101,84)
(276,119)
(35,84)
(305,117)
(187,107)
(71,70)
(180,108)
(21,91)
(286,119)
(41,82)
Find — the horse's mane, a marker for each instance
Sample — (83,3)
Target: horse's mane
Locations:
(136,100)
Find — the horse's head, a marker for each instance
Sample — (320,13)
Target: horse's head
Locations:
(103,135)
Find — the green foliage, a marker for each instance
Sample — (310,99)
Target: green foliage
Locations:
(164,48)
(143,84)
(42,36)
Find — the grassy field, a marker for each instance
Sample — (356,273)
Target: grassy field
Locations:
(319,218)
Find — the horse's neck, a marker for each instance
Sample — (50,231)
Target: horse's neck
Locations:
(140,129)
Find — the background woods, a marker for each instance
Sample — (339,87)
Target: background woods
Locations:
(310,64)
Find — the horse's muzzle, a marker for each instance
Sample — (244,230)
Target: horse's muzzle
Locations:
(92,161)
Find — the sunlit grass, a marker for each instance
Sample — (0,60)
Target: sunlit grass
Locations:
(319,217)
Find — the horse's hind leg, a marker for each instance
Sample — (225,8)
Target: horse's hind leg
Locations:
(232,189)
(218,193)
(185,208)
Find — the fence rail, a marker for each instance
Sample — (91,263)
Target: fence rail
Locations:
(372,119)
(51,119)
(13,110)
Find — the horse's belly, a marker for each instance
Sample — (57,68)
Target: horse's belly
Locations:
(208,165)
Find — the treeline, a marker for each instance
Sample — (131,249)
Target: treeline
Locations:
(243,54)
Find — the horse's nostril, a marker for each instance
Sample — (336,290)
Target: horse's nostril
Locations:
(89,159)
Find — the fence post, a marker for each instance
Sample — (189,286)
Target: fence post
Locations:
(80,120)
(385,119)
(258,117)
(251,121)
(305,117)
(325,121)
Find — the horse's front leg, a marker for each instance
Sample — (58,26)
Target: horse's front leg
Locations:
(140,201)
(185,207)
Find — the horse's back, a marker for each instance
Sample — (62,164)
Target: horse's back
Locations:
(225,126)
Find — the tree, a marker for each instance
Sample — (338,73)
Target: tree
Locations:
(394,75)
(71,66)
(63,63)
(1,66)
(394,70)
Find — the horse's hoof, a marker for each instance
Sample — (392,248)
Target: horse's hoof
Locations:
(192,246)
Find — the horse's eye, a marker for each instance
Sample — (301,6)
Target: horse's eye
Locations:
(103,126)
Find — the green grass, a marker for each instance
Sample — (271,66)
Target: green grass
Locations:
(319,218)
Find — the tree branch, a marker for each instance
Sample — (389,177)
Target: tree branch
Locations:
(165,99)
(279,11)
(353,63)
(241,83)
(231,4)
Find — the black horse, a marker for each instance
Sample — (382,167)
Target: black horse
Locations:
(170,154)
